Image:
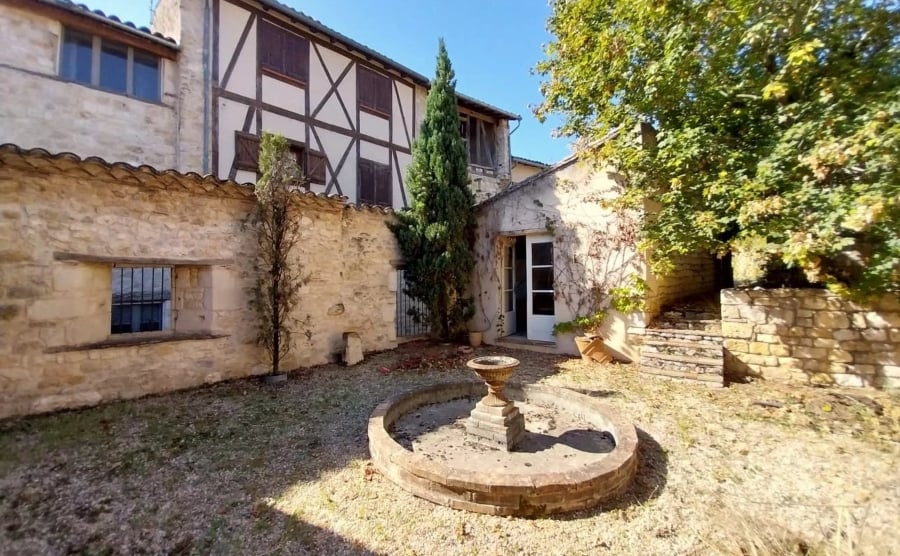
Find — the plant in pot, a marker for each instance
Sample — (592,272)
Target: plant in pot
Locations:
(278,281)
(587,335)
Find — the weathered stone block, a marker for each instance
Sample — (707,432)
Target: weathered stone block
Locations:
(832,320)
(814,303)
(353,350)
(804,352)
(758,348)
(732,329)
(843,335)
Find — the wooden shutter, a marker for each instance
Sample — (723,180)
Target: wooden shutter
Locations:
(374,91)
(317,165)
(366,181)
(246,151)
(383,185)
(272,47)
(284,52)
(296,57)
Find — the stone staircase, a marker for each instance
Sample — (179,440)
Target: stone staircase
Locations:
(685,343)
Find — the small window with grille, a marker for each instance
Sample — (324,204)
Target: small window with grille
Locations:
(141,299)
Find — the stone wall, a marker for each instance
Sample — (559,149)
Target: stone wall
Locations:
(691,275)
(63,231)
(811,335)
(38,109)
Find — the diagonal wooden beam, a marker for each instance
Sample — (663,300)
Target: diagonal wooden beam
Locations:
(333,88)
(237,50)
(402,117)
(400,177)
(328,163)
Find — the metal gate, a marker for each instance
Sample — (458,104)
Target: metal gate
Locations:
(406,323)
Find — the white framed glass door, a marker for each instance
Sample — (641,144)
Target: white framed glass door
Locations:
(507,290)
(539,281)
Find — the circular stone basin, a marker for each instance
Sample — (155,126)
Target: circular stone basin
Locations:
(576,451)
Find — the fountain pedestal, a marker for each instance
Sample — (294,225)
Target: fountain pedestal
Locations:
(495,422)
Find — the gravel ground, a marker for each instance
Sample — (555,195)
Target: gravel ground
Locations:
(238,468)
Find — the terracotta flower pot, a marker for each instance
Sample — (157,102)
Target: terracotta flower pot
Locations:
(475,338)
(591,349)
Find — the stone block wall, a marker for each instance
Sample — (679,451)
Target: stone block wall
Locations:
(56,350)
(692,275)
(811,335)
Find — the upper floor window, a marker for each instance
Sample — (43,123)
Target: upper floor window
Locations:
(375,183)
(283,52)
(373,91)
(109,65)
(247,157)
(480,139)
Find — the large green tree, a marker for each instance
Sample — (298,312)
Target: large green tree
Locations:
(778,124)
(436,232)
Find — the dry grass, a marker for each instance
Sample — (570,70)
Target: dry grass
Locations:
(236,468)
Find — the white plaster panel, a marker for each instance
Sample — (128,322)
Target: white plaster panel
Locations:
(232,20)
(347,90)
(375,153)
(243,176)
(400,180)
(421,101)
(291,129)
(331,112)
(334,145)
(403,98)
(231,118)
(284,95)
(374,126)
(318,82)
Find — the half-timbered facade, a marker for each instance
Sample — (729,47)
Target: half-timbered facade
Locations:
(350,113)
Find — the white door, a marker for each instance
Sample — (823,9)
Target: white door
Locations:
(508,294)
(539,266)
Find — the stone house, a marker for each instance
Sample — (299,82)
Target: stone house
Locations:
(124,266)
(547,244)
(195,91)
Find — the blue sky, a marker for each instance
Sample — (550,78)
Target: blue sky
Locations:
(493,45)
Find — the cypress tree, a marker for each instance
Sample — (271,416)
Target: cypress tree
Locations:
(436,233)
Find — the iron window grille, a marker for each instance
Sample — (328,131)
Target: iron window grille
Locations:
(141,299)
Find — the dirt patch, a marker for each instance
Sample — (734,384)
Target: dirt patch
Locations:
(237,468)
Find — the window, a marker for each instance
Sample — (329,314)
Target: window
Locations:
(480,139)
(283,52)
(373,91)
(109,65)
(542,278)
(141,299)
(246,153)
(374,183)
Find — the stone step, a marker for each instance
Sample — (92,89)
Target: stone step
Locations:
(682,334)
(685,359)
(688,314)
(695,348)
(708,325)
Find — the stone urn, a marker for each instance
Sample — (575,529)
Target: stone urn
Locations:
(494,370)
(495,422)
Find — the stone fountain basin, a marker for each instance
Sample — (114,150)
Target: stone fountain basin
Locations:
(506,487)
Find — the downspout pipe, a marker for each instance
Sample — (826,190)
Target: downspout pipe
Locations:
(206,87)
